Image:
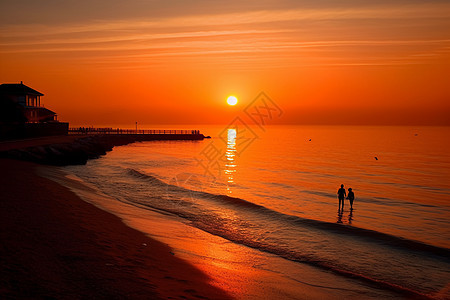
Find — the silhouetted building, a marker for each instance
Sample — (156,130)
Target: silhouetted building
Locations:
(22,115)
(26,100)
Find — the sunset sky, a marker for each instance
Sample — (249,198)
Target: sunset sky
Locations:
(112,63)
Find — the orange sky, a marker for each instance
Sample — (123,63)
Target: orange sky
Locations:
(113,63)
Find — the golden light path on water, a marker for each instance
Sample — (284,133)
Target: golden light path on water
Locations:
(230,155)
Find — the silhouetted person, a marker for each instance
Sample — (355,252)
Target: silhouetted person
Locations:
(341,195)
(351,197)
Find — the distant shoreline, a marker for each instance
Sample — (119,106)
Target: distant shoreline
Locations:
(77,149)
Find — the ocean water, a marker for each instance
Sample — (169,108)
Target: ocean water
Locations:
(273,189)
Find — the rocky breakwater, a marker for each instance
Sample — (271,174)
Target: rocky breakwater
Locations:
(76,152)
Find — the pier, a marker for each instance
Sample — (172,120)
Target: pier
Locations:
(140,134)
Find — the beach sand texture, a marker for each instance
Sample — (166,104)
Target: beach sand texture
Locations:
(53,244)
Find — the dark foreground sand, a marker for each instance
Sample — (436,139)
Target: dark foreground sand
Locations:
(55,245)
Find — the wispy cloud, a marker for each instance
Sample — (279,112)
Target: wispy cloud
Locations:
(302,35)
(404,12)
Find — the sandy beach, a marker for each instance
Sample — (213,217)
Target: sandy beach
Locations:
(55,245)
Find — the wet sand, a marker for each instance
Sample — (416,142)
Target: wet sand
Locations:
(55,245)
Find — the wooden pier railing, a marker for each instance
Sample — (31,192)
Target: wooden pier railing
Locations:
(91,130)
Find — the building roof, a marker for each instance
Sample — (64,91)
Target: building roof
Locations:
(45,112)
(17,89)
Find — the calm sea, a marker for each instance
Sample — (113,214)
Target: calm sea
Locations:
(274,189)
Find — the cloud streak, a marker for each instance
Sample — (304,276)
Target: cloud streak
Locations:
(301,34)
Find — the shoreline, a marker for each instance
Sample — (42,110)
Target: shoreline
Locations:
(54,244)
(112,244)
(243,272)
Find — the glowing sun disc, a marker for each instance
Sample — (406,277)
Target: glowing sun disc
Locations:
(232,100)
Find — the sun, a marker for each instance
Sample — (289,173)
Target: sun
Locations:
(232,100)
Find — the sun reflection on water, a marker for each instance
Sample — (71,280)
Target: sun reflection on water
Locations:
(230,159)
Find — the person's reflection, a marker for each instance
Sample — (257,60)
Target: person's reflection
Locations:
(339,218)
(350,217)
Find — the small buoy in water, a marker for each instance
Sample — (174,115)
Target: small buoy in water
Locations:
(310,140)
(376,158)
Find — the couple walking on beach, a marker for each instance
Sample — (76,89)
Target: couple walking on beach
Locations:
(342,195)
